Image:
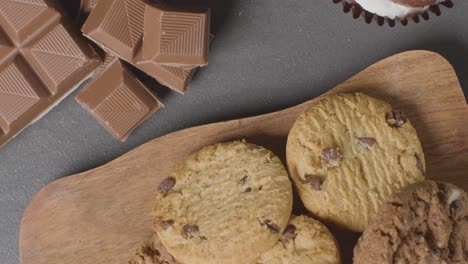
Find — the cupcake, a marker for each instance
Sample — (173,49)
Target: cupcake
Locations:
(392,11)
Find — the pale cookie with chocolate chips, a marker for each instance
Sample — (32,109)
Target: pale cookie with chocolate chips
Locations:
(426,222)
(305,240)
(227,203)
(347,153)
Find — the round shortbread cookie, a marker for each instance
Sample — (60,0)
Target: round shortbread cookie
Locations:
(305,240)
(426,222)
(227,203)
(347,153)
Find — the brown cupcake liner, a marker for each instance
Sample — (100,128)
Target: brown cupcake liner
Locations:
(350,6)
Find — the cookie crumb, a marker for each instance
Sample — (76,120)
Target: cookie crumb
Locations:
(396,118)
(166,185)
(332,157)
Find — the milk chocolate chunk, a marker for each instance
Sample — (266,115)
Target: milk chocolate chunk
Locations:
(332,157)
(313,180)
(118,100)
(396,118)
(176,37)
(166,185)
(118,26)
(42,60)
(190,230)
(289,234)
(268,224)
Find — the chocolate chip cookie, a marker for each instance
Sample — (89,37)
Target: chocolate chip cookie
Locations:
(227,203)
(347,153)
(304,240)
(426,222)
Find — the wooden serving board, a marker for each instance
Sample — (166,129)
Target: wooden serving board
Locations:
(103,215)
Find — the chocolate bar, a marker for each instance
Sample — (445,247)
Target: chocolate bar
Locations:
(118,100)
(41,62)
(118,27)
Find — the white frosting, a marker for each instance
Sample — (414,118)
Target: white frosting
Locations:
(390,9)
(454,195)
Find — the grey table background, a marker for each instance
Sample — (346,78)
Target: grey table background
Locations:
(267,55)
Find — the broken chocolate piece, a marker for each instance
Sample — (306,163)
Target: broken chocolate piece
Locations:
(176,37)
(313,180)
(268,224)
(332,157)
(118,100)
(288,234)
(419,164)
(166,185)
(190,230)
(396,118)
(366,142)
(42,61)
(166,224)
(118,26)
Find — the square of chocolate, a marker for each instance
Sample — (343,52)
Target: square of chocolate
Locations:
(117,26)
(22,20)
(118,100)
(42,60)
(176,37)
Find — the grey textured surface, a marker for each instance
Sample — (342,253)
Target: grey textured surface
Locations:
(267,55)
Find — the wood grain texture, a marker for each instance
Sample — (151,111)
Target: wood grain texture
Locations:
(102,215)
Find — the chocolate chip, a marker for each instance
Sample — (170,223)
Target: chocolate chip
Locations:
(396,118)
(366,142)
(268,224)
(260,188)
(419,164)
(243,180)
(313,180)
(332,157)
(289,234)
(248,190)
(166,224)
(166,185)
(190,230)
(203,238)
(456,206)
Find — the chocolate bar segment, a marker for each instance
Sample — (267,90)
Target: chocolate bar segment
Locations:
(176,37)
(117,25)
(118,100)
(22,20)
(104,20)
(41,61)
